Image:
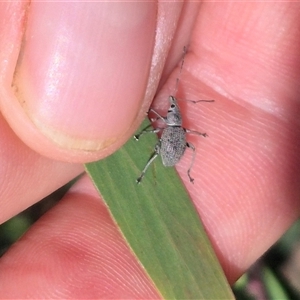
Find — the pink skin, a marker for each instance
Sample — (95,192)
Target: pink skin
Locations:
(245,56)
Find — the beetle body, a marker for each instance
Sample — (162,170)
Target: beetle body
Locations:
(172,145)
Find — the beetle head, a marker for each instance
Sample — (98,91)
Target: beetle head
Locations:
(173,115)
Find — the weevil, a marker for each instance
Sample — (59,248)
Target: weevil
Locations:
(172,143)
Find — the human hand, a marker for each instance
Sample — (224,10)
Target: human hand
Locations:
(246,172)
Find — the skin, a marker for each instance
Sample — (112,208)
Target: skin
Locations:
(78,95)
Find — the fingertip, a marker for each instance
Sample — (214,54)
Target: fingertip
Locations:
(79,86)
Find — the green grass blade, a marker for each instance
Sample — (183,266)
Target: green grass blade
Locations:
(274,288)
(160,223)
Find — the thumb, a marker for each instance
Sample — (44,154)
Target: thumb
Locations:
(81,76)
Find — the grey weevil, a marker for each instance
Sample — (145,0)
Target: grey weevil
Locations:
(172,143)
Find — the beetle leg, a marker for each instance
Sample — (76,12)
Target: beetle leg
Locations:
(146,130)
(195,132)
(151,159)
(191,146)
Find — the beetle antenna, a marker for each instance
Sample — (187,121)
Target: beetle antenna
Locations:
(180,71)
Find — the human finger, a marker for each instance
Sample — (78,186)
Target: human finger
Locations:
(80,73)
(246,171)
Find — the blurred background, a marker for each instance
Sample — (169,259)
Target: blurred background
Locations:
(275,276)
